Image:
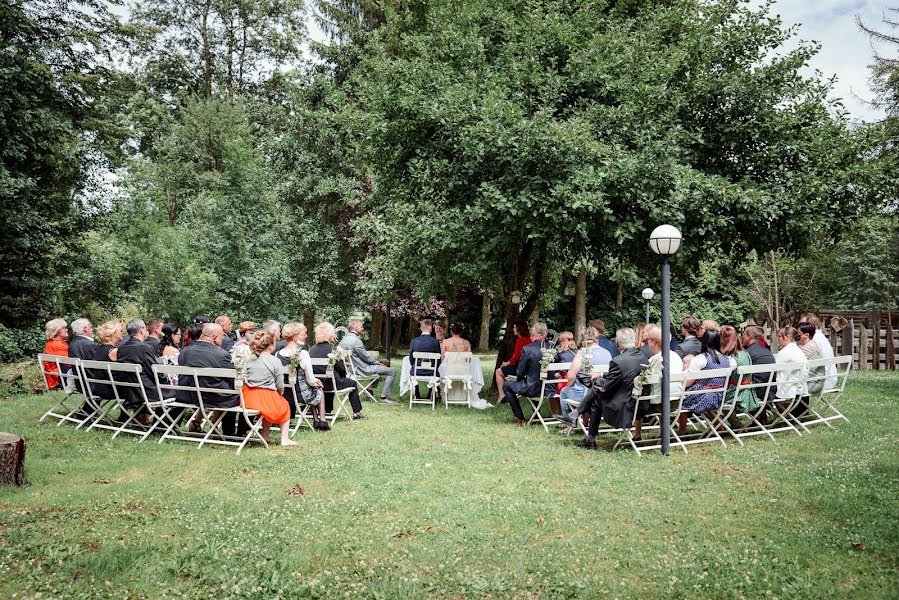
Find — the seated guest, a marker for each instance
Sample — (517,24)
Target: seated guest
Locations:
(154,326)
(758,355)
(263,385)
(274,327)
(733,348)
(567,348)
(424,343)
(225,323)
(580,375)
(307,387)
(82,345)
(527,382)
(653,334)
(195,330)
(817,376)
(641,339)
(136,352)
(673,336)
(110,334)
(691,346)
(440,331)
(706,325)
(245,332)
(57,331)
(169,347)
(825,347)
(324,345)
(710,401)
(206,353)
(612,397)
(363,363)
(604,342)
(455,343)
(509,367)
(790,384)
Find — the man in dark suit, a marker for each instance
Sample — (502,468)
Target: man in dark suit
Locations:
(136,352)
(613,399)
(423,343)
(691,345)
(206,353)
(154,333)
(760,355)
(527,376)
(82,347)
(225,322)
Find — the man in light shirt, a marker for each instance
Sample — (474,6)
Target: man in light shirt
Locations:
(653,335)
(826,349)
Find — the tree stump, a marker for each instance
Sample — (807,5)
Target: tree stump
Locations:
(12,459)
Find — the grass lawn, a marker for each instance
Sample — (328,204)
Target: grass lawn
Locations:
(455,504)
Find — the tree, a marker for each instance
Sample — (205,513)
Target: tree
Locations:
(499,134)
(52,84)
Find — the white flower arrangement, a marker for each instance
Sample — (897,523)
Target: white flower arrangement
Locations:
(548,356)
(651,374)
(338,353)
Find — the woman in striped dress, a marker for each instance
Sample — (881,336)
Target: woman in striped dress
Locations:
(710,395)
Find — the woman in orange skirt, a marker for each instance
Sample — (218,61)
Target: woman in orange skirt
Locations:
(57,331)
(263,386)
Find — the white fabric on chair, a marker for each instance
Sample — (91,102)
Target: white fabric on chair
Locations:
(477,380)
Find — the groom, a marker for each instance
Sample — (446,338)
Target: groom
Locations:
(527,382)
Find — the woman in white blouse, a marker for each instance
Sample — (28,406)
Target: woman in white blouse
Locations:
(295,335)
(790,383)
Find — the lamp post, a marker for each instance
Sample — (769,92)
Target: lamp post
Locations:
(647,295)
(665,240)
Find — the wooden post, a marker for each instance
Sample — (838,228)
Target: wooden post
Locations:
(377,329)
(875,338)
(862,346)
(484,340)
(891,346)
(12,459)
(847,339)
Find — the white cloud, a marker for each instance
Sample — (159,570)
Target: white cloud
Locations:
(846,51)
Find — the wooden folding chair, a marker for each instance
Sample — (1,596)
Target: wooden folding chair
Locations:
(189,411)
(70,377)
(457,370)
(706,431)
(424,363)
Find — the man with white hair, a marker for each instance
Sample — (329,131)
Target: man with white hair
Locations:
(363,363)
(612,398)
(82,346)
(274,327)
(527,376)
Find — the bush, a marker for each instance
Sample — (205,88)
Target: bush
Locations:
(21,344)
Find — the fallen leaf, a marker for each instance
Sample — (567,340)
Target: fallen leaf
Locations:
(427,465)
(101,480)
(402,534)
(426,528)
(858,546)
(296,491)
(540,518)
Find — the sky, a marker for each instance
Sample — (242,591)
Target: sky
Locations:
(846,51)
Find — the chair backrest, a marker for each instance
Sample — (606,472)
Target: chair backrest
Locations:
(704,378)
(551,339)
(554,374)
(104,372)
(599,370)
(843,365)
(329,370)
(425,361)
(66,369)
(457,363)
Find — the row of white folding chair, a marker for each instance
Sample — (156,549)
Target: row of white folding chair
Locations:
(368,384)
(194,382)
(305,414)
(66,369)
(595,372)
(550,378)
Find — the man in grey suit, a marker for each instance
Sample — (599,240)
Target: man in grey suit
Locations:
(363,363)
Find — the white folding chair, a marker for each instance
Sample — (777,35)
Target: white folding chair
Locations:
(175,427)
(550,377)
(341,405)
(782,408)
(70,377)
(424,370)
(654,410)
(826,397)
(596,371)
(214,415)
(367,383)
(457,369)
(120,377)
(705,429)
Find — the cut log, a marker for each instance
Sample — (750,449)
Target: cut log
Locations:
(12,459)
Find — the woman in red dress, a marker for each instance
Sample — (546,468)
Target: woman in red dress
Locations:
(509,367)
(263,386)
(57,331)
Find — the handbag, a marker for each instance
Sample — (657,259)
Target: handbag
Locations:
(308,394)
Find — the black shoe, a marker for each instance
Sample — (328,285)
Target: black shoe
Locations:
(357,416)
(324,426)
(564,419)
(586,443)
(316,424)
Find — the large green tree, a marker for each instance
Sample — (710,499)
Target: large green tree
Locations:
(503,134)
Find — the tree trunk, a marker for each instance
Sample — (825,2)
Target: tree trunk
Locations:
(619,300)
(580,305)
(309,322)
(12,459)
(484,340)
(207,50)
(535,314)
(377,329)
(397,332)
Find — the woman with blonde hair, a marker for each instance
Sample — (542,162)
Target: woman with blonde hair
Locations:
(308,387)
(263,387)
(110,334)
(56,330)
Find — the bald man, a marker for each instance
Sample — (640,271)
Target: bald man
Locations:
(206,352)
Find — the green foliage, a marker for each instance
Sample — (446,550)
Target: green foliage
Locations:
(21,344)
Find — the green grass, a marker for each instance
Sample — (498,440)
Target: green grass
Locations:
(458,503)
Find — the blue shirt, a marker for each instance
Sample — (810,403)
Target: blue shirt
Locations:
(608,345)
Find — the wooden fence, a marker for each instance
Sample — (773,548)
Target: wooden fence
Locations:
(869,336)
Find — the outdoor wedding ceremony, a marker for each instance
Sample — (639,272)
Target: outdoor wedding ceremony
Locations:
(397,298)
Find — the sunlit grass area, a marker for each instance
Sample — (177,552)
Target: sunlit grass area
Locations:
(458,503)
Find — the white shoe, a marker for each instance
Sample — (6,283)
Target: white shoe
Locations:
(288,443)
(384,400)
